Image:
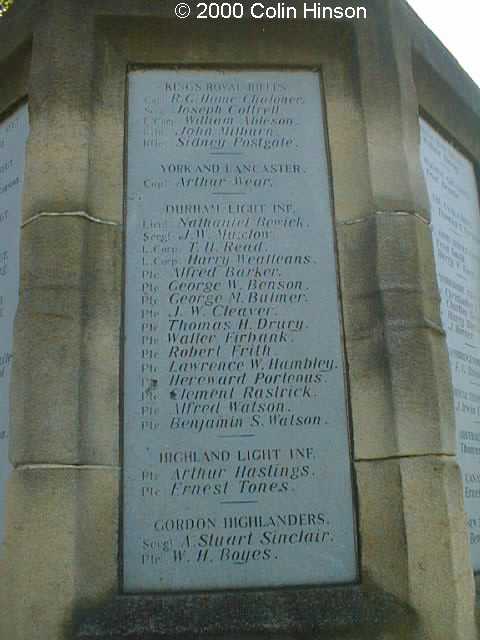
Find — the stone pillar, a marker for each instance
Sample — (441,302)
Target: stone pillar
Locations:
(402,403)
(63,493)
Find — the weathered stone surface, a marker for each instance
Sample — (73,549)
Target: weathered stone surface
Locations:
(71,250)
(347,612)
(60,105)
(414,506)
(390,109)
(388,274)
(422,399)
(441,586)
(381,521)
(61,546)
(352,191)
(395,345)
(373,418)
(14,77)
(5,620)
(401,394)
(65,377)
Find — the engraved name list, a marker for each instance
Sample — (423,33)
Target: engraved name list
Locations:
(236,450)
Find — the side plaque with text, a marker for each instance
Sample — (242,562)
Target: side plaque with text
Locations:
(13,137)
(237,469)
(455,215)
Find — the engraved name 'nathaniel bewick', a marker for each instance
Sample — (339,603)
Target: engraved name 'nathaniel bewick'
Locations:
(455,214)
(237,469)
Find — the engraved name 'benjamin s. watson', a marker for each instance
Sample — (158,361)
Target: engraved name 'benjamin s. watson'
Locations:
(236,450)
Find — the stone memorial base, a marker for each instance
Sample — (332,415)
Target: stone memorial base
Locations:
(351,612)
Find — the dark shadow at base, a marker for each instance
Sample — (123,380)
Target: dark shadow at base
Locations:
(347,612)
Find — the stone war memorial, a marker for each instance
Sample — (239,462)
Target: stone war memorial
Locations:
(239,323)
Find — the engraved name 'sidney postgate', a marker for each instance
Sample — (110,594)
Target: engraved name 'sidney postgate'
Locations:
(455,213)
(13,138)
(237,469)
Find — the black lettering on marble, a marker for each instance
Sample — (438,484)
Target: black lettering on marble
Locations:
(234,374)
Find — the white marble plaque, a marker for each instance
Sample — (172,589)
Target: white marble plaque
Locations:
(455,212)
(13,137)
(237,469)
